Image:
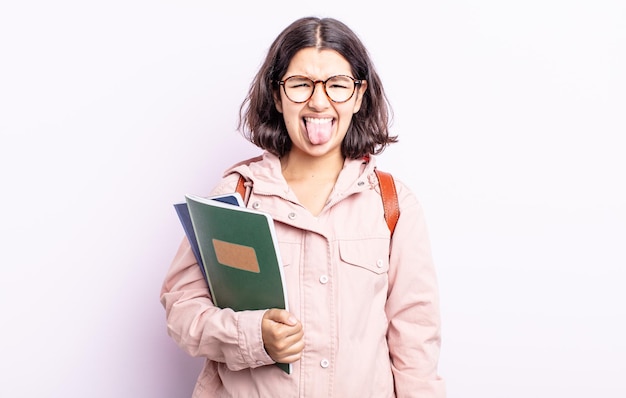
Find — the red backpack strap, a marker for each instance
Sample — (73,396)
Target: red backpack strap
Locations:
(389,197)
(241,188)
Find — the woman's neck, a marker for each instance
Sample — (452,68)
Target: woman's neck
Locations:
(311,168)
(312,179)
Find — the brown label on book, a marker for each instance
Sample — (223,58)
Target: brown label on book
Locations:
(236,256)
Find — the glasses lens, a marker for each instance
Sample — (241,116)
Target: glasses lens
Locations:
(340,88)
(298,88)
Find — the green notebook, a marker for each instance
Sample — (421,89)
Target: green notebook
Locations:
(240,253)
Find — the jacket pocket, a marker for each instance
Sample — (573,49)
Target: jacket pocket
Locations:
(369,254)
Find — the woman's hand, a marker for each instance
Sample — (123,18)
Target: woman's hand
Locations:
(283,336)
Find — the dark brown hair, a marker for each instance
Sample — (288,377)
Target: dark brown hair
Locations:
(263,125)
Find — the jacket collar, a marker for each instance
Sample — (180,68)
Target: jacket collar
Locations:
(265,173)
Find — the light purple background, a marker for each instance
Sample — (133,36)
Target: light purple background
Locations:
(511,117)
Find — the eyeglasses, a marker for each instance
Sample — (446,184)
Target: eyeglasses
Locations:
(338,88)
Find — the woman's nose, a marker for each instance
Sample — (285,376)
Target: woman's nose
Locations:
(319,99)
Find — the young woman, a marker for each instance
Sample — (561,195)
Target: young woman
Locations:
(364,315)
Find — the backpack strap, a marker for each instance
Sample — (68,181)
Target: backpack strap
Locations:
(387,192)
(389,197)
(241,187)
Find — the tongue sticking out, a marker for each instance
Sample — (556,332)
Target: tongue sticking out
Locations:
(319,130)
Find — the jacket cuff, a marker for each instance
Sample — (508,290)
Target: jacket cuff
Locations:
(250,339)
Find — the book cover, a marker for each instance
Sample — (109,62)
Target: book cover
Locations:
(182,210)
(240,256)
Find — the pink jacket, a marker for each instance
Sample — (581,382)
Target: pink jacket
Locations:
(368,305)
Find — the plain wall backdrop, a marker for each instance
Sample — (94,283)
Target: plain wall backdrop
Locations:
(511,117)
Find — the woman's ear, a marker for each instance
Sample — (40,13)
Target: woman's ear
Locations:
(277,101)
(360,92)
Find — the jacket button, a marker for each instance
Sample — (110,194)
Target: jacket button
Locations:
(324,363)
(292,216)
(256,205)
(379,263)
(323,279)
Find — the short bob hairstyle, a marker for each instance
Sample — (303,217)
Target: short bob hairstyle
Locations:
(263,125)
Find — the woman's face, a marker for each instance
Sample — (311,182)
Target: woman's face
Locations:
(318,126)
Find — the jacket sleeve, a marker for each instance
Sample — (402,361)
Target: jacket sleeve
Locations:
(202,329)
(414,333)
